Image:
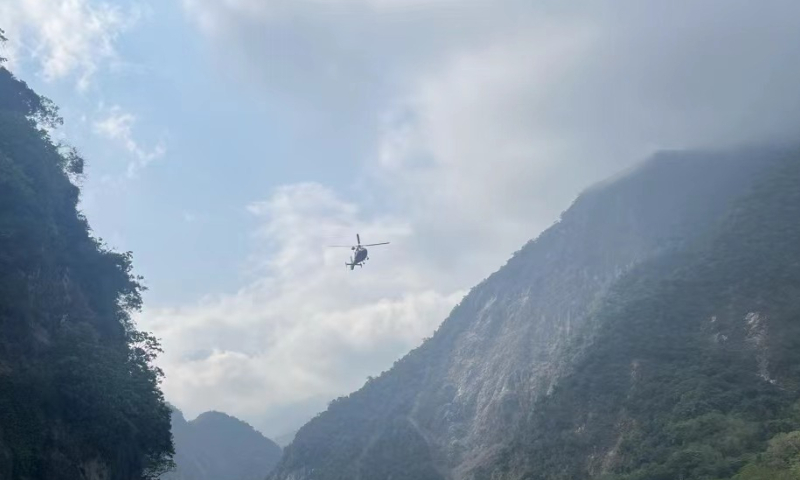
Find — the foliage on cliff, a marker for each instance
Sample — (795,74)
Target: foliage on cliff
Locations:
(694,370)
(79,395)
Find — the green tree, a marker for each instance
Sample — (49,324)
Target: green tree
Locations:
(78,388)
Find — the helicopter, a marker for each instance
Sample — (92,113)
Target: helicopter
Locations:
(359,252)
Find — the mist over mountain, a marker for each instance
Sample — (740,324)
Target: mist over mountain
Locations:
(651,333)
(285,439)
(216,446)
(283,422)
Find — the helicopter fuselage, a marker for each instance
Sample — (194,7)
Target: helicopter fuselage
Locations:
(360,255)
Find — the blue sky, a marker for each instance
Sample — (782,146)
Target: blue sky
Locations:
(225,146)
(229,142)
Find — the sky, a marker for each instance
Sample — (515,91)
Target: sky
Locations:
(229,142)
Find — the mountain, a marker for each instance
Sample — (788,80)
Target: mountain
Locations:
(694,366)
(216,446)
(649,334)
(79,397)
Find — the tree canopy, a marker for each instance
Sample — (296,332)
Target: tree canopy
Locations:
(78,387)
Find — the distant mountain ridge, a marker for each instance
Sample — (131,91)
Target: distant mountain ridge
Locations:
(466,404)
(217,446)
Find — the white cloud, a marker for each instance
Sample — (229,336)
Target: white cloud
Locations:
(473,143)
(66,37)
(305,326)
(498,138)
(117,125)
(498,113)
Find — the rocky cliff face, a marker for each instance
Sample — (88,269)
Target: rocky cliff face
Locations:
(454,407)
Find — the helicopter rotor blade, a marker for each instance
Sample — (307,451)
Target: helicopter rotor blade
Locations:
(373,244)
(358,237)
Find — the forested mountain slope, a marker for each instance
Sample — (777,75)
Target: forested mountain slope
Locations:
(216,446)
(695,365)
(78,397)
(464,404)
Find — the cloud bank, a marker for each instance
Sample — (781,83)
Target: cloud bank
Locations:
(504,110)
(67,38)
(305,327)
